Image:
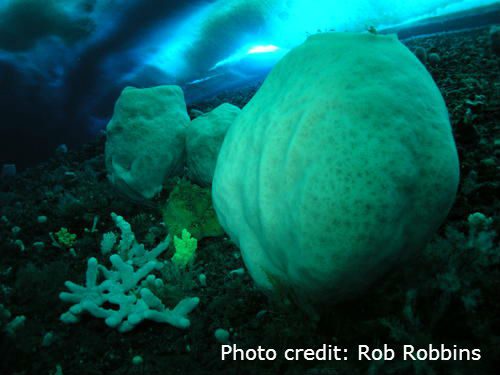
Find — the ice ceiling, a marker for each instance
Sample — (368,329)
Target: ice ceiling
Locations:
(63,62)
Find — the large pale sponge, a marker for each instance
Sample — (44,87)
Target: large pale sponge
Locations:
(203,141)
(340,167)
(145,142)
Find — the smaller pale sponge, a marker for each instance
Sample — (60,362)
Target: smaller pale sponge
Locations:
(203,140)
(145,139)
(340,167)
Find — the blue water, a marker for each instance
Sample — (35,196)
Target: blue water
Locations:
(63,63)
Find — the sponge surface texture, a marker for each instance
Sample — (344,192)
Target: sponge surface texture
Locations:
(146,139)
(340,167)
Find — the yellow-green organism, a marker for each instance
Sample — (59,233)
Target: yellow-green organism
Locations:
(185,248)
(189,206)
(65,238)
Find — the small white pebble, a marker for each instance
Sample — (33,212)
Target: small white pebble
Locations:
(222,336)
(489,162)
(20,245)
(41,219)
(48,339)
(39,245)
(261,314)
(203,280)
(238,272)
(14,325)
(137,360)
(62,149)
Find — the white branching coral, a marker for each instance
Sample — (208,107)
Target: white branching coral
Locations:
(108,242)
(121,295)
(132,251)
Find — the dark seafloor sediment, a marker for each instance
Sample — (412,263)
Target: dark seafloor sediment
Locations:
(449,295)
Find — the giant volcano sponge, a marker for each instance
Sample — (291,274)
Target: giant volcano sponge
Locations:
(341,166)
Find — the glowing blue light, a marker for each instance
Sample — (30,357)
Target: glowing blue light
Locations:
(263,49)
